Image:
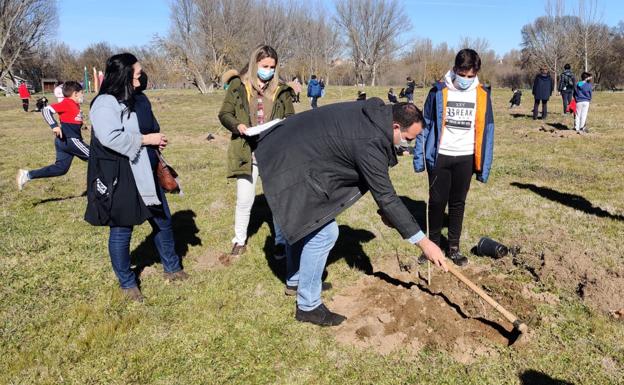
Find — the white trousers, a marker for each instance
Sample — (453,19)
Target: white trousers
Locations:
(245,196)
(582,108)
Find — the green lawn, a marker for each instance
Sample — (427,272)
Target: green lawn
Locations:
(63,321)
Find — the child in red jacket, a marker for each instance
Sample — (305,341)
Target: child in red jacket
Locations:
(24,95)
(68,138)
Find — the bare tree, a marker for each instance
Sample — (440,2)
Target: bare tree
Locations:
(546,41)
(23,25)
(592,36)
(371,28)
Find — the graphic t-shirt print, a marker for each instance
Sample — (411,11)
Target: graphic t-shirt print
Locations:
(459,115)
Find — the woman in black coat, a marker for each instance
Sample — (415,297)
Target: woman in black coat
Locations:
(543,87)
(122,190)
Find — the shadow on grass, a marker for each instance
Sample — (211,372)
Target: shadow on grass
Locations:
(48,200)
(519,115)
(184,233)
(533,377)
(558,126)
(574,201)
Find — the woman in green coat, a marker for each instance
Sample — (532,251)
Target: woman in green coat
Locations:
(255,97)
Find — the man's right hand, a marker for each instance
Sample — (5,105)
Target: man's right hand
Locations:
(57,132)
(433,253)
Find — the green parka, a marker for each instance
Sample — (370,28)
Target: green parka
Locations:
(235,110)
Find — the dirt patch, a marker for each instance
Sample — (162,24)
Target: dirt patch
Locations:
(392,309)
(209,261)
(575,271)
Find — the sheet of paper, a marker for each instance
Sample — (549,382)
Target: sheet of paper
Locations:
(256,130)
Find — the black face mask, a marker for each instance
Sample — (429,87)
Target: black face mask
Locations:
(142,82)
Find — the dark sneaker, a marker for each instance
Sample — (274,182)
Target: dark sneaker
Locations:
(321,316)
(458,258)
(279,252)
(586,130)
(422,259)
(292,290)
(133,294)
(177,276)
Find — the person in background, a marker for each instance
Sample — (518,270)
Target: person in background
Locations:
(295,84)
(24,94)
(315,91)
(58,92)
(543,86)
(122,190)
(254,98)
(409,89)
(322,84)
(67,138)
(583,96)
(392,97)
(361,95)
(458,141)
(567,82)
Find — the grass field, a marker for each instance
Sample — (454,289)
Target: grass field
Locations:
(558,195)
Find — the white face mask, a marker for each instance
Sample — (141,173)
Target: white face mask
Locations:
(403,142)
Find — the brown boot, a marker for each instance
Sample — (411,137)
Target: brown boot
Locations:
(177,276)
(133,294)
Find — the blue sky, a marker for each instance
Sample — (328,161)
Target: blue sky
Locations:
(134,22)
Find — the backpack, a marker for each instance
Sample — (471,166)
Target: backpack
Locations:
(402,93)
(567,83)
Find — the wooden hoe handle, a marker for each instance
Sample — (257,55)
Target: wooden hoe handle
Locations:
(517,323)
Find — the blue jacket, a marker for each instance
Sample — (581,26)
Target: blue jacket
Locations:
(583,92)
(429,138)
(314,89)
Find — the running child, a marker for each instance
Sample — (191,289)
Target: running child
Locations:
(68,138)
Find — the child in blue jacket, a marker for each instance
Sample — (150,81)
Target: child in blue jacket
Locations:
(583,96)
(456,142)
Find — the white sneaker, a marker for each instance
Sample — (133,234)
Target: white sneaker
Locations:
(21,178)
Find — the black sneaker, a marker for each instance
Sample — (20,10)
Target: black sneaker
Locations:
(292,290)
(321,316)
(458,258)
(422,259)
(279,252)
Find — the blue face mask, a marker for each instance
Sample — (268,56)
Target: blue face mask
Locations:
(265,73)
(463,83)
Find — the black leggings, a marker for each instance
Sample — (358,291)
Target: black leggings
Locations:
(25,104)
(449,183)
(544,108)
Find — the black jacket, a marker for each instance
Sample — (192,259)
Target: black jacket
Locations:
(112,196)
(316,164)
(543,86)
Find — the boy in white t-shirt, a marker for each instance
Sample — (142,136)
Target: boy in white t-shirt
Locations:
(457,141)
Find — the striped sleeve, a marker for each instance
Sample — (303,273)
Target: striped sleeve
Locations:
(47,116)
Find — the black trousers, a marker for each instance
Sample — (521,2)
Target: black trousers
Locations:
(449,183)
(567,98)
(544,108)
(66,149)
(25,104)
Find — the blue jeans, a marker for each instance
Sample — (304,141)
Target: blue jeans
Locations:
(279,237)
(305,262)
(119,246)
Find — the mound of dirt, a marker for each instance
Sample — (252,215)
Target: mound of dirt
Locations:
(392,309)
(575,271)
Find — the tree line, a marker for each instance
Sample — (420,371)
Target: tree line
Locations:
(357,42)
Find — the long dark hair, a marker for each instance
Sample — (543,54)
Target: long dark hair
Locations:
(118,79)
